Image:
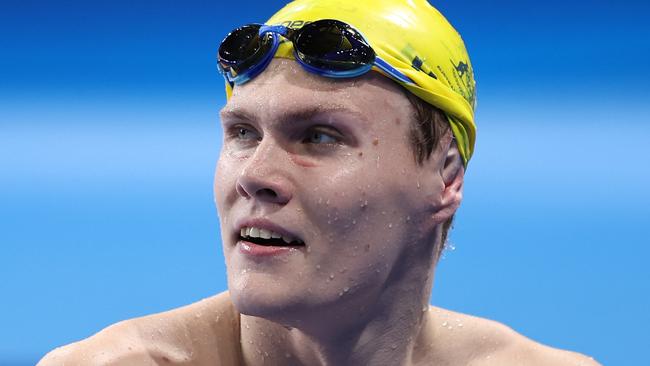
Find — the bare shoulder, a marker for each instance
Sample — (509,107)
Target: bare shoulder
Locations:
(206,332)
(493,343)
(114,345)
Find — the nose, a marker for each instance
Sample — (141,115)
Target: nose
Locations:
(263,178)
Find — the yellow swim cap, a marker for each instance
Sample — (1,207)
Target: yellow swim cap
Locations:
(413,37)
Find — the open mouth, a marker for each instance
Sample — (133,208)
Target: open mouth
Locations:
(268,238)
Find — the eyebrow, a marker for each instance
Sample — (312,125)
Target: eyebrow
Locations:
(303,114)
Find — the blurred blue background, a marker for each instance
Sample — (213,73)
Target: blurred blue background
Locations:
(109,134)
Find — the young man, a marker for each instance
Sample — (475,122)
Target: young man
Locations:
(335,188)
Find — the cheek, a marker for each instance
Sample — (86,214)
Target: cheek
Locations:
(224,189)
(374,203)
(225,176)
(359,243)
(359,215)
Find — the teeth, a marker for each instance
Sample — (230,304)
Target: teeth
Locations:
(254,232)
(265,234)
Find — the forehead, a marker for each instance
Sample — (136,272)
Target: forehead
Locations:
(285,87)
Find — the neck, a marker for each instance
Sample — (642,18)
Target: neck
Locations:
(390,323)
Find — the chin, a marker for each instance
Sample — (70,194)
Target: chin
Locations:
(288,306)
(262,299)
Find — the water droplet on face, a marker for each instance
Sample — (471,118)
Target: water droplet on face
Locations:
(425,309)
(318,267)
(346,289)
(327,202)
(331,276)
(354,222)
(418,184)
(408,218)
(445,324)
(393,346)
(390,226)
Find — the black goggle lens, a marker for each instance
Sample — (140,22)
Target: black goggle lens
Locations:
(242,48)
(332,45)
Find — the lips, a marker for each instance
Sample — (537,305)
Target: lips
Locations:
(263,232)
(267,237)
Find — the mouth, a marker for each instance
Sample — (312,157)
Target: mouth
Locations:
(268,238)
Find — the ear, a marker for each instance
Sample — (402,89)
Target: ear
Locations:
(452,173)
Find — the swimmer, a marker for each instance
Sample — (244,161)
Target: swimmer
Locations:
(347,133)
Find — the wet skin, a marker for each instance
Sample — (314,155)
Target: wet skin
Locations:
(330,163)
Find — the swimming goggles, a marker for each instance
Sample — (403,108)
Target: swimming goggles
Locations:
(325,47)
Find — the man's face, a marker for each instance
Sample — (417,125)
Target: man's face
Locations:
(330,162)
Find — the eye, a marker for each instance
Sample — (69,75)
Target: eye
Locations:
(243,133)
(320,137)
